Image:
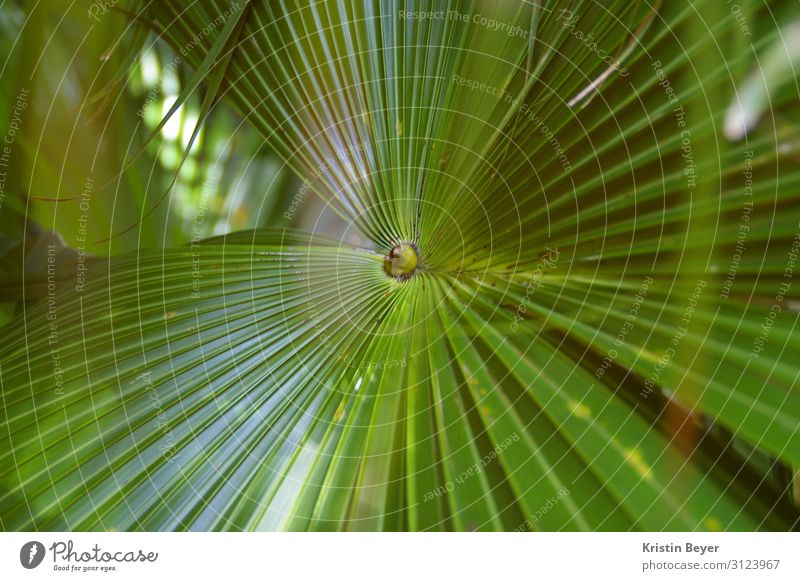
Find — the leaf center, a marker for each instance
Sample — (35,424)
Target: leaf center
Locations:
(402,261)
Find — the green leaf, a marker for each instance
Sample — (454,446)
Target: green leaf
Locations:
(588,341)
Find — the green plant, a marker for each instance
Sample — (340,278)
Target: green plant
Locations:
(599,332)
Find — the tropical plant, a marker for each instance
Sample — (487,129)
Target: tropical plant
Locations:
(562,297)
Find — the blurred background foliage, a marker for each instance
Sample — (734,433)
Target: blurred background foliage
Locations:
(89,172)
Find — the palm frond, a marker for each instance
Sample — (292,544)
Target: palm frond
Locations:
(601,333)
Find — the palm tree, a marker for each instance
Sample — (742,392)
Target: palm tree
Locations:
(562,296)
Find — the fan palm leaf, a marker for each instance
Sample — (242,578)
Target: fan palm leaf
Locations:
(572,351)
